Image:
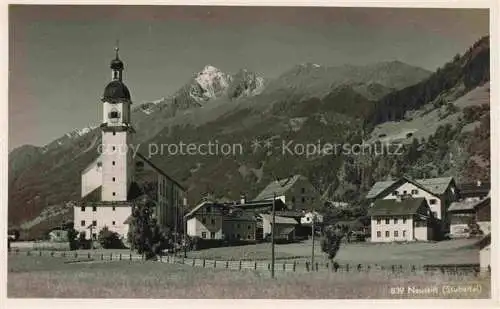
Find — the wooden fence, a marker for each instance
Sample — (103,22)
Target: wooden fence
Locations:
(258,265)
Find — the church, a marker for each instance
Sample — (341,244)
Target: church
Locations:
(118,177)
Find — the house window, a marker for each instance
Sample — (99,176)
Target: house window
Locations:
(114,179)
(94,236)
(212,235)
(94,208)
(83,209)
(387,221)
(249,227)
(432,201)
(203,234)
(114,148)
(82,223)
(303,199)
(387,234)
(379,234)
(404,192)
(238,236)
(293,199)
(434,214)
(113,162)
(395,193)
(113,223)
(395,221)
(114,208)
(203,220)
(238,225)
(114,193)
(404,233)
(414,191)
(378,221)
(213,221)
(209,209)
(114,133)
(396,233)
(303,190)
(249,237)
(94,223)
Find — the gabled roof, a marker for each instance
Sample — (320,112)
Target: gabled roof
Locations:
(278,219)
(435,186)
(468,205)
(473,189)
(278,186)
(407,206)
(159,170)
(259,204)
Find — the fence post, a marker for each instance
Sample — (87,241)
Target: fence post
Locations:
(215,263)
(413,269)
(240,265)
(368,267)
(359,267)
(392,266)
(284,266)
(111,256)
(52,254)
(76,255)
(255,265)
(40,252)
(347,268)
(307,266)
(317,266)
(194,261)
(64,254)
(121,256)
(168,259)
(131,256)
(268,266)
(294,265)
(336,266)
(203,263)
(328,266)
(227,264)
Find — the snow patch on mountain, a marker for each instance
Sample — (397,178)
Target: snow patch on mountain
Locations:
(210,83)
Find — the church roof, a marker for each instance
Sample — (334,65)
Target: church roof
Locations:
(116,91)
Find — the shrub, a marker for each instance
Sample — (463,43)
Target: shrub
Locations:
(109,239)
(72,235)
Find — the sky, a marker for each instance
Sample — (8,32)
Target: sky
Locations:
(59,55)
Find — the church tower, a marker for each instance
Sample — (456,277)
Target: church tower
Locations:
(116,136)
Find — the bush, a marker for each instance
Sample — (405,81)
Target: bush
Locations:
(109,239)
(73,242)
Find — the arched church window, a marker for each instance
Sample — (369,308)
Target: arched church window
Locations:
(114,114)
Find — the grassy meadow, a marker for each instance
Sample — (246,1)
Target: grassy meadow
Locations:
(460,251)
(41,277)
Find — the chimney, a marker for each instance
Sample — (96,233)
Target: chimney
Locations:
(243,199)
(479,183)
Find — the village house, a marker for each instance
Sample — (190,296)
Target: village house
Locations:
(284,228)
(211,220)
(473,190)
(467,212)
(401,219)
(118,177)
(438,192)
(296,192)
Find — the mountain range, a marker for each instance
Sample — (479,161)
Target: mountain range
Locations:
(306,104)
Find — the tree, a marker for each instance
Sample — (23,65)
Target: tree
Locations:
(330,243)
(72,235)
(109,239)
(145,235)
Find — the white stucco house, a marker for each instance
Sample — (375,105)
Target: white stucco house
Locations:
(401,219)
(112,183)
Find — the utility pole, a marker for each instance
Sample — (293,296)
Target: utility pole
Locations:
(313,232)
(272,234)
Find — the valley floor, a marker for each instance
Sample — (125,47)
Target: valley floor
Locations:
(49,277)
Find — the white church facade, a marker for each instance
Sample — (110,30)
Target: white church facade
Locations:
(118,176)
